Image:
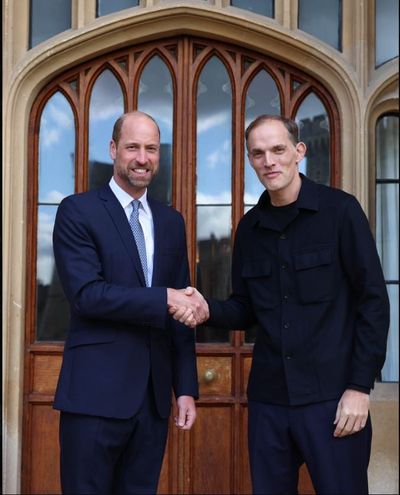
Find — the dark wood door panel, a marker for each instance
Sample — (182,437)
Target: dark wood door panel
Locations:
(211,455)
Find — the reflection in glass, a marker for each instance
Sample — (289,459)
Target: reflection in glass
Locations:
(214,135)
(386,30)
(387,147)
(56,150)
(387,228)
(156,98)
(106,105)
(48,18)
(262,98)
(213,271)
(390,371)
(265,7)
(313,122)
(105,7)
(51,308)
(323,20)
(214,197)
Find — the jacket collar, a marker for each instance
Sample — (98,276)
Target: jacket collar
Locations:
(308,199)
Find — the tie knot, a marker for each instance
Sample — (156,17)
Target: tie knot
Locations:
(135,205)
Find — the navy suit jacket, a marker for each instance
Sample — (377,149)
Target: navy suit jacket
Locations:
(120,334)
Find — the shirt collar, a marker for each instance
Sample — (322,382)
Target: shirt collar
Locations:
(308,199)
(126,199)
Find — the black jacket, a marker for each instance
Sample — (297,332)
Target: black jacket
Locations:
(312,280)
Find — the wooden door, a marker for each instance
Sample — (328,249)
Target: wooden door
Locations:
(202,93)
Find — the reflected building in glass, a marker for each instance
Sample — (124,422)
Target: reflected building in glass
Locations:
(315,134)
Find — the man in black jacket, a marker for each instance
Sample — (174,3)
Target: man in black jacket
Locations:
(306,269)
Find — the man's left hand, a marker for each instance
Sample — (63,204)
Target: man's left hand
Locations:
(186,412)
(351,413)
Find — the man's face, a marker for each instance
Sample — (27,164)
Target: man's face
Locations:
(137,154)
(275,158)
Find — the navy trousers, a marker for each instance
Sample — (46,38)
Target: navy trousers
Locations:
(106,455)
(282,438)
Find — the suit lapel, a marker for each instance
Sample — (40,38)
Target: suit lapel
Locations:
(121,223)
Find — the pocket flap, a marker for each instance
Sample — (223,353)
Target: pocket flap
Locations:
(312,259)
(257,268)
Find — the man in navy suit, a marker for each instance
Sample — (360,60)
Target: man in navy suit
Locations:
(305,268)
(124,353)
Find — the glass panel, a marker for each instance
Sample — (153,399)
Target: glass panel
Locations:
(48,18)
(52,307)
(387,147)
(390,371)
(387,228)
(262,97)
(214,175)
(214,135)
(157,99)
(106,105)
(322,19)
(386,30)
(265,7)
(105,7)
(213,271)
(56,139)
(313,122)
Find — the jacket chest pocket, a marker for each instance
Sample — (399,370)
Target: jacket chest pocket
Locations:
(314,275)
(258,277)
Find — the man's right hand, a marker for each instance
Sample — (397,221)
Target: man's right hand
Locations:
(187,306)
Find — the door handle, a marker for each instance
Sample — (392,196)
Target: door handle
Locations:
(209,375)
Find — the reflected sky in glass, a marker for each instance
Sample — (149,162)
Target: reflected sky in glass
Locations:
(262,98)
(214,135)
(106,105)
(386,30)
(264,7)
(157,99)
(322,19)
(387,228)
(313,122)
(56,150)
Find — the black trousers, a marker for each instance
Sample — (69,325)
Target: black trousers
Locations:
(282,438)
(112,456)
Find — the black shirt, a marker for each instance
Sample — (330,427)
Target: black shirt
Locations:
(310,276)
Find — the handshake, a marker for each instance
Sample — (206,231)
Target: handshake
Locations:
(187,306)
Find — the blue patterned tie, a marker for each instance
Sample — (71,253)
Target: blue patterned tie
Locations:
(139,236)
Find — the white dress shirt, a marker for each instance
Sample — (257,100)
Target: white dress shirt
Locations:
(145,219)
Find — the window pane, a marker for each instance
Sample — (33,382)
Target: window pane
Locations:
(106,105)
(313,122)
(214,175)
(387,147)
(109,6)
(264,7)
(262,97)
(322,19)
(213,277)
(56,139)
(52,307)
(390,371)
(48,18)
(387,228)
(386,30)
(156,98)
(214,135)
